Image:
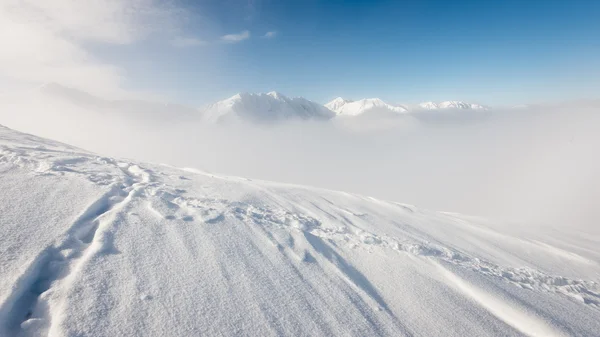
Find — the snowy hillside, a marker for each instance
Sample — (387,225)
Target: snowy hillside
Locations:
(450,105)
(97,246)
(268,107)
(364,106)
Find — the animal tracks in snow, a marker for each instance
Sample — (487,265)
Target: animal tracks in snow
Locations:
(53,270)
(173,205)
(55,266)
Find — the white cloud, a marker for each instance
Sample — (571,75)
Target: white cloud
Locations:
(183,42)
(270,35)
(45,41)
(234,38)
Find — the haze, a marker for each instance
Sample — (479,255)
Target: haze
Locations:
(535,164)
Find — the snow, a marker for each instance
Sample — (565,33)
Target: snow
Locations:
(269,107)
(450,105)
(364,106)
(343,107)
(100,246)
(428,105)
(337,103)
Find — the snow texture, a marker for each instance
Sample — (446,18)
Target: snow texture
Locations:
(96,246)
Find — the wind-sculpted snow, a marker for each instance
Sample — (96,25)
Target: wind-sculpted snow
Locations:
(157,250)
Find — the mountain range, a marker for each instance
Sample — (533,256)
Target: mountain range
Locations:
(275,106)
(249,107)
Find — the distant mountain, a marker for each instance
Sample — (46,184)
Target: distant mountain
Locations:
(344,107)
(269,107)
(263,108)
(450,105)
(337,103)
(130,106)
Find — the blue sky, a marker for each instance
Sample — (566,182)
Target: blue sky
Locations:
(486,51)
(409,51)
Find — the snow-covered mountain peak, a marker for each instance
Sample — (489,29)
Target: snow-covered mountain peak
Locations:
(428,105)
(276,95)
(269,107)
(450,105)
(373,101)
(337,103)
(459,105)
(340,100)
(367,105)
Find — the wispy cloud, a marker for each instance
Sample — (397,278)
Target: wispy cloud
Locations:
(45,41)
(184,42)
(234,38)
(270,35)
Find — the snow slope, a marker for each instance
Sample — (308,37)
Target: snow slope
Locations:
(364,106)
(450,105)
(268,107)
(96,246)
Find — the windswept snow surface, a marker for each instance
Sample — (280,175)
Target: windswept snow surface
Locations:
(96,246)
(269,107)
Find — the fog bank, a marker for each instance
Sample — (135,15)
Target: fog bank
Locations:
(539,164)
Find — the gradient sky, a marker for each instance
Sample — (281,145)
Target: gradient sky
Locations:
(485,51)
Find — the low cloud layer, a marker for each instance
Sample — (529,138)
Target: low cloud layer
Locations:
(537,165)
